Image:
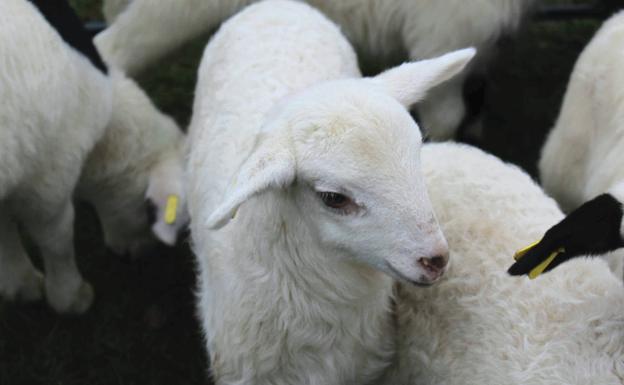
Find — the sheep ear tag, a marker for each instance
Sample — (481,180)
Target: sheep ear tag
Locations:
(520,253)
(539,269)
(171,209)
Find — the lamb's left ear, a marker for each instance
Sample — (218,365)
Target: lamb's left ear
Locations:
(270,165)
(409,82)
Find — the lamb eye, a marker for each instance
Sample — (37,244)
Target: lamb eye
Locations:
(335,200)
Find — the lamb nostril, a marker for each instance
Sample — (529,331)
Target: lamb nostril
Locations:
(435,263)
(439,262)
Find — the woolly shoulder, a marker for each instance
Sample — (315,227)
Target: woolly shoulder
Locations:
(464,177)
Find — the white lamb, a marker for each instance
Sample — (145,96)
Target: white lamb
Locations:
(306,198)
(139,161)
(583,155)
(147,30)
(55,106)
(478,325)
(582,163)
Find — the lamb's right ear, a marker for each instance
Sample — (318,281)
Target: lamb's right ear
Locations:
(409,82)
(270,165)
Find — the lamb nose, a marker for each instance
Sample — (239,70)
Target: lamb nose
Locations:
(434,263)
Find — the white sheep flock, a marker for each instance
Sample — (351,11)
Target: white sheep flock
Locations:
(331,245)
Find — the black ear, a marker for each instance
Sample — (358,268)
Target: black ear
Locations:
(592,229)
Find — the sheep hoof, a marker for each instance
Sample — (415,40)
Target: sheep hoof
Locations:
(29,288)
(77,303)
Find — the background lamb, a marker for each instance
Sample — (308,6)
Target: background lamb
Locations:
(582,162)
(382,30)
(293,288)
(136,165)
(583,154)
(45,139)
(480,326)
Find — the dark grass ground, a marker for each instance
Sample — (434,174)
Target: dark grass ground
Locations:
(142,329)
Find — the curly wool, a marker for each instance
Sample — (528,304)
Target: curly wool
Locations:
(479,326)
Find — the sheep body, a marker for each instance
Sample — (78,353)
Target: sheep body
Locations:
(381,29)
(582,156)
(481,326)
(28,151)
(44,141)
(59,113)
(287,295)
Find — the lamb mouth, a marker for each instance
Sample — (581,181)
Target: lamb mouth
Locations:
(404,278)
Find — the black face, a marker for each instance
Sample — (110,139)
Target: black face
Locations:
(593,228)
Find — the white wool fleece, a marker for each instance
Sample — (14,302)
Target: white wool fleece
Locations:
(480,326)
(146,30)
(292,289)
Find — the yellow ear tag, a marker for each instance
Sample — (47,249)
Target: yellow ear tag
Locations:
(539,269)
(520,253)
(171,209)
